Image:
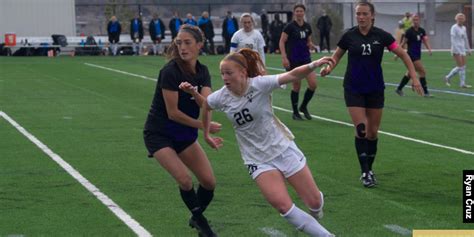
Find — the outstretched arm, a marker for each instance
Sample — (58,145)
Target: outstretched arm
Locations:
(302,71)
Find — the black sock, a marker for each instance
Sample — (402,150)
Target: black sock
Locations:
(191,201)
(294,101)
(371,151)
(424,85)
(204,196)
(403,82)
(308,95)
(361,149)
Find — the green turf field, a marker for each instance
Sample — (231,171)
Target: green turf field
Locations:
(92,117)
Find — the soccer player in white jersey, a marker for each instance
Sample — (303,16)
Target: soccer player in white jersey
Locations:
(248,37)
(459,49)
(266,144)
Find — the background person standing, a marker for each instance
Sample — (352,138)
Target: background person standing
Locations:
(136,34)
(324,26)
(157,33)
(114,29)
(229,27)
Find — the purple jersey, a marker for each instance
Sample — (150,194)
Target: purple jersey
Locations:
(297,44)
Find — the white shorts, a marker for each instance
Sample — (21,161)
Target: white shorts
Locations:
(289,162)
(458,50)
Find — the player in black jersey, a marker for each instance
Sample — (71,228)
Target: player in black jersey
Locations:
(413,37)
(363,82)
(295,43)
(172,125)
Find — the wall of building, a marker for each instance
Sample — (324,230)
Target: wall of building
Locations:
(37,18)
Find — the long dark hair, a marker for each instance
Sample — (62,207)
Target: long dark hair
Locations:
(249,60)
(172,53)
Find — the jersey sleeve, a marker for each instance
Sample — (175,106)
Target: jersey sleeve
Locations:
(266,83)
(388,41)
(168,79)
(214,100)
(287,29)
(234,42)
(344,42)
(207,78)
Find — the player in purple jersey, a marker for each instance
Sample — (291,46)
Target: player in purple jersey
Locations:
(295,43)
(364,84)
(413,37)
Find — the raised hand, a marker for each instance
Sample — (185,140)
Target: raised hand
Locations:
(187,87)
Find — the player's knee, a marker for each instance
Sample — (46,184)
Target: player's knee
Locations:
(185,182)
(282,207)
(360,129)
(312,87)
(314,202)
(208,183)
(422,73)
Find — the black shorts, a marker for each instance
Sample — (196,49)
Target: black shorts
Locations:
(294,65)
(414,58)
(373,100)
(154,141)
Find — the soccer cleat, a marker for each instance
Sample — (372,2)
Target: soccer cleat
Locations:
(297,117)
(466,86)
(372,176)
(307,115)
(202,226)
(399,92)
(428,95)
(367,180)
(446,81)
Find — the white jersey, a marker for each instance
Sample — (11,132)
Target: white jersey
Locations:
(261,136)
(252,40)
(459,41)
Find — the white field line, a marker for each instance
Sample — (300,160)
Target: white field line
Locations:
(272,232)
(398,229)
(390,84)
(387,133)
(119,71)
(109,203)
(324,119)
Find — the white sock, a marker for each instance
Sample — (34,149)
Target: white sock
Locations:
(154,49)
(159,49)
(305,223)
(462,76)
(453,72)
(318,212)
(114,49)
(134,46)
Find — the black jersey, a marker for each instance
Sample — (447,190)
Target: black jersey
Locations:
(365,52)
(170,77)
(414,39)
(297,43)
